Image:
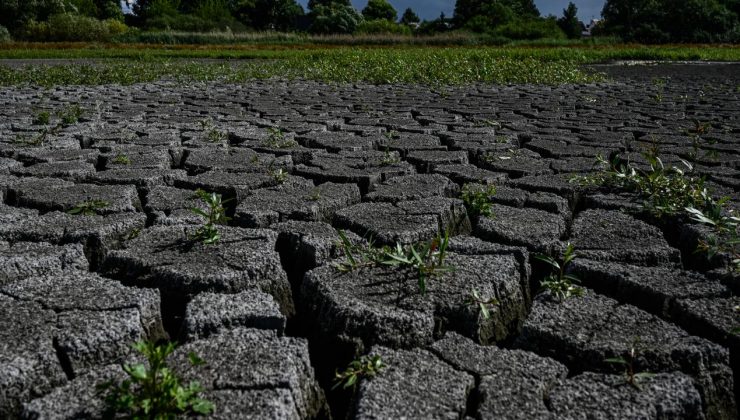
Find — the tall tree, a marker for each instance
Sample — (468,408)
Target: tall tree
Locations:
(268,14)
(409,17)
(379,9)
(569,23)
(15,13)
(313,3)
(655,21)
(334,19)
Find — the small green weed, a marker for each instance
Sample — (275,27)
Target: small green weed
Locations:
(427,259)
(726,228)
(560,284)
(121,160)
(42,118)
(633,378)
(666,191)
(215,215)
(276,139)
(216,136)
(315,195)
(364,367)
(154,391)
(475,299)
(70,115)
(280,175)
(389,158)
(88,208)
(477,199)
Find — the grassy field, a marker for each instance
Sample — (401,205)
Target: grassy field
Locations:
(528,63)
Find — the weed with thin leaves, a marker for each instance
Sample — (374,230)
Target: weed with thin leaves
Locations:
(477,199)
(70,115)
(389,158)
(475,299)
(426,259)
(214,215)
(88,208)
(42,118)
(121,160)
(280,175)
(726,226)
(665,190)
(559,283)
(631,376)
(276,139)
(364,367)
(153,391)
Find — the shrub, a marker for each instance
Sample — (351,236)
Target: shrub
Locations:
(4,34)
(69,27)
(530,29)
(382,26)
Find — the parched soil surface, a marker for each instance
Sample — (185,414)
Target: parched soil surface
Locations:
(268,309)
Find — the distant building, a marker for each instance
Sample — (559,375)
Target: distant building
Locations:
(587,28)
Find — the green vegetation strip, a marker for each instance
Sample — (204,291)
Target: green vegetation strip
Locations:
(426,66)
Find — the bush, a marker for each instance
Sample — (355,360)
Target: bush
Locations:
(382,26)
(192,23)
(530,30)
(69,27)
(4,34)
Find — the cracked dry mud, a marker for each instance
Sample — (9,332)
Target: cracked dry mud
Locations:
(272,316)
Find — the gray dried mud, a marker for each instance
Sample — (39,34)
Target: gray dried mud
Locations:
(270,312)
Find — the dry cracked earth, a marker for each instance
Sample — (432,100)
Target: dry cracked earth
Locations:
(266,307)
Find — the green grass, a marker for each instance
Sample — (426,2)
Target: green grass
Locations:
(127,64)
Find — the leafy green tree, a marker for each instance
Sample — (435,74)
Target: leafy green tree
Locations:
(100,9)
(268,14)
(313,3)
(14,14)
(569,23)
(495,11)
(334,19)
(655,21)
(523,8)
(379,9)
(409,17)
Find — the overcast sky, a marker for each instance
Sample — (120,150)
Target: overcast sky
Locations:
(430,9)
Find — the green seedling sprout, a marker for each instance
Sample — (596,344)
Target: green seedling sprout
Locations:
(364,367)
(88,208)
(558,282)
(214,215)
(633,378)
(153,391)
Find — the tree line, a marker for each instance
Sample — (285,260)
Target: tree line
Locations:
(648,21)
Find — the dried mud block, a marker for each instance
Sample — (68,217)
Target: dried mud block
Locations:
(295,201)
(614,236)
(413,187)
(112,199)
(592,395)
(249,359)
(537,230)
(98,319)
(583,332)
(27,259)
(513,384)
(362,168)
(164,257)
(414,384)
(384,306)
(406,221)
(210,313)
(29,366)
